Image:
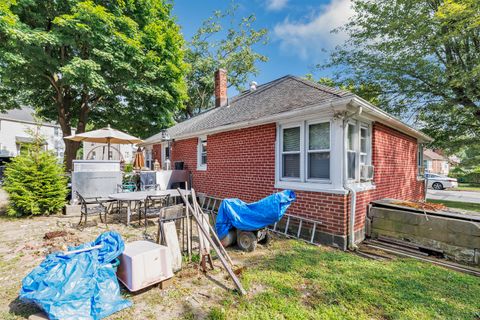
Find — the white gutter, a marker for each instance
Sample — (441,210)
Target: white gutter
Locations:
(391,121)
(351,191)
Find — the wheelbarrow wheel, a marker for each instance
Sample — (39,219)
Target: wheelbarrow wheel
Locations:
(246,240)
(267,238)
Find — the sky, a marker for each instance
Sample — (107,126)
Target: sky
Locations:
(299,31)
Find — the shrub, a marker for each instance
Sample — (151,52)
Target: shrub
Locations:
(35,182)
(473,176)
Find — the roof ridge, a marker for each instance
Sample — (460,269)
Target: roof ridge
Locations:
(260,88)
(327,89)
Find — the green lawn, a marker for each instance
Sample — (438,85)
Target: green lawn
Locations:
(458,205)
(301,281)
(468,187)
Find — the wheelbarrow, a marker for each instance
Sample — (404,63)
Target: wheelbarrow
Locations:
(247,240)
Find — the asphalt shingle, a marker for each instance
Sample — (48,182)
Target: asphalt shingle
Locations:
(281,95)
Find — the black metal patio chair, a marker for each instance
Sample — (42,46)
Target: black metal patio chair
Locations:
(91,206)
(152,207)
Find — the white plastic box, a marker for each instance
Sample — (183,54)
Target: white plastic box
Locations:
(144,263)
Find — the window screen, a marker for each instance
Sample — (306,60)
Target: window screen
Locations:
(351,153)
(363,145)
(203,152)
(291,139)
(291,153)
(291,165)
(319,151)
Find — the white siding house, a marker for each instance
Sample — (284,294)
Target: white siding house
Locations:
(14,127)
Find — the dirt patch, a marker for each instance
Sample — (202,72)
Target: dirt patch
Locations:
(26,241)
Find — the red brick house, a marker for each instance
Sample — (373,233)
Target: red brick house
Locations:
(336,150)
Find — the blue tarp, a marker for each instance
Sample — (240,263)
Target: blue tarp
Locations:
(78,285)
(234,213)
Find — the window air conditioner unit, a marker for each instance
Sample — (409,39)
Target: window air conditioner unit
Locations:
(366,173)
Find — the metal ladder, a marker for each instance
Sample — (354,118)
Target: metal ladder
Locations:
(301,221)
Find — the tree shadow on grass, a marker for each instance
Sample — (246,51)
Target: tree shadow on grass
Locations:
(395,288)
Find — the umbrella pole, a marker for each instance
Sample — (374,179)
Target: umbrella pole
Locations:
(108,154)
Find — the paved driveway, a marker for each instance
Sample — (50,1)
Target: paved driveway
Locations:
(463,196)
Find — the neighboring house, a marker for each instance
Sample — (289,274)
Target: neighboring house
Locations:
(435,162)
(14,127)
(295,134)
(99,151)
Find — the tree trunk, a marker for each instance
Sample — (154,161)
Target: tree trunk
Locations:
(71,148)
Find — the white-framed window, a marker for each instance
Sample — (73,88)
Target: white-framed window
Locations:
(166,151)
(421,163)
(291,153)
(149,157)
(202,153)
(318,151)
(305,151)
(359,149)
(352,146)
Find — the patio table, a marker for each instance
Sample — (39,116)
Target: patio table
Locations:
(137,196)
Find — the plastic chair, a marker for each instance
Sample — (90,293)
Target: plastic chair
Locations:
(126,187)
(149,187)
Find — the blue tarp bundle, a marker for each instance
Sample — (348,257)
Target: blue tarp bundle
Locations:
(234,213)
(78,285)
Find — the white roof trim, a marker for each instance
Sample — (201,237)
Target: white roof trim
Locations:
(389,120)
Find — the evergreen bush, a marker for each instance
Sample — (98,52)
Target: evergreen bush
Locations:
(35,181)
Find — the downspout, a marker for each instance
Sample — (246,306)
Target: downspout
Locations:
(352,192)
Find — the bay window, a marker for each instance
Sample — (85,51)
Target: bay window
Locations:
(359,147)
(311,155)
(351,151)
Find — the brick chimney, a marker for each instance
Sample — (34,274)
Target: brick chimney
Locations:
(221,97)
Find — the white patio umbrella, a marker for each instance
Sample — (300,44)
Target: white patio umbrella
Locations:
(105,135)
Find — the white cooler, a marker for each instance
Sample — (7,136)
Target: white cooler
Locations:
(144,263)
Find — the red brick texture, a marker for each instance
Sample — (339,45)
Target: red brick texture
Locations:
(395,160)
(157,153)
(241,164)
(221,97)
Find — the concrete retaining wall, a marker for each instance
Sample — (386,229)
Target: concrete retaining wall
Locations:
(458,239)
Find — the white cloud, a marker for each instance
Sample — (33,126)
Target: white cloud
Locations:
(275,5)
(307,39)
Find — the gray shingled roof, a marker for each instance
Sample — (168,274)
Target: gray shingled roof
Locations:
(24,114)
(278,96)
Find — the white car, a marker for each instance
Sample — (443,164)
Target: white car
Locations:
(438,182)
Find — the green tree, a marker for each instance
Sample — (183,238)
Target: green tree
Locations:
(369,91)
(105,62)
(213,46)
(35,181)
(426,56)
